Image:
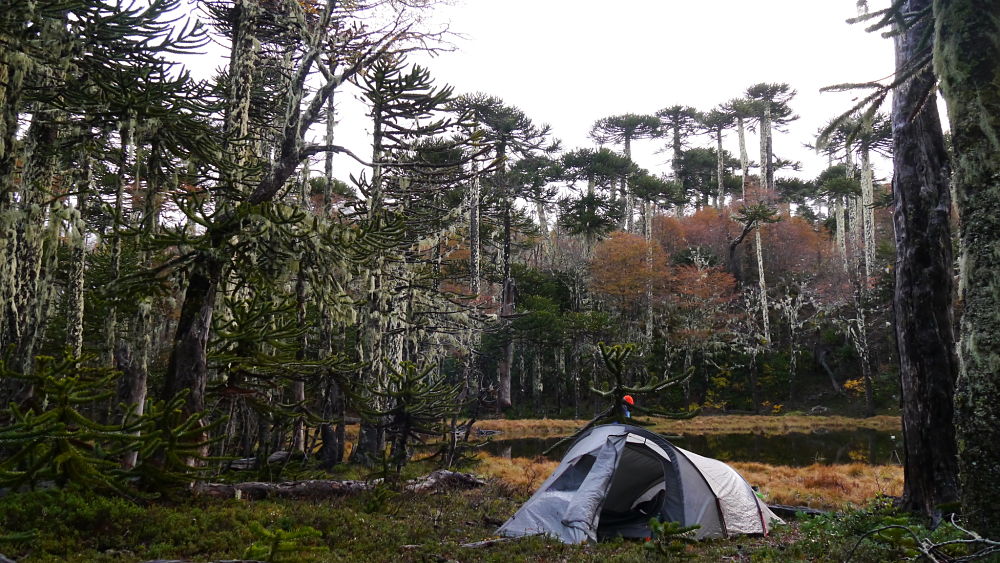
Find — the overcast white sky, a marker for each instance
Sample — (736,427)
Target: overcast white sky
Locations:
(571,62)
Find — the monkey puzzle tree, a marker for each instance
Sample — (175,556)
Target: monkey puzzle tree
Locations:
(624,129)
(752,217)
(615,359)
(594,214)
(405,108)
(770,102)
(510,134)
(679,122)
(716,122)
(742,110)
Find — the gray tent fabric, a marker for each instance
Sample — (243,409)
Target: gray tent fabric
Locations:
(614,478)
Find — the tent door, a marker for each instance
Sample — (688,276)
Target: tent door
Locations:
(637,493)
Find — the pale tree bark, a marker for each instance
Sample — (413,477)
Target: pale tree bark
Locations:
(762,285)
(78,260)
(647,231)
(332,434)
(127,147)
(32,248)
(766,158)
(626,192)
(967,33)
(744,158)
(508,290)
(298,387)
(840,238)
(719,170)
(474,256)
(867,211)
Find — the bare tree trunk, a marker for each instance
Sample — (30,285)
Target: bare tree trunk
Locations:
(840,238)
(508,293)
(769,150)
(474,230)
(922,300)
(78,262)
(744,158)
(298,385)
(188,367)
(762,284)
(647,232)
(867,211)
(719,169)
(629,198)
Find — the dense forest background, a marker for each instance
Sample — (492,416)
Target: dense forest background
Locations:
(182,260)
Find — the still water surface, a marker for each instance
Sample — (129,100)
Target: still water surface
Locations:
(796,448)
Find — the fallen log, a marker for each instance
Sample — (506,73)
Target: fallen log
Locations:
(320,489)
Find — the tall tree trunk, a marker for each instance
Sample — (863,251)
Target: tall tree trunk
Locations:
(867,210)
(507,294)
(474,230)
(923,292)
(967,33)
(762,284)
(840,237)
(744,158)
(298,385)
(78,261)
(627,196)
(188,366)
(647,231)
(766,166)
(719,169)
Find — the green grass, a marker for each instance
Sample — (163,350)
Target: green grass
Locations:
(370,527)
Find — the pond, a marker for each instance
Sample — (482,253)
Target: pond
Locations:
(796,449)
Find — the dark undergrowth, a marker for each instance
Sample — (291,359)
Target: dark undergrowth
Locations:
(379,525)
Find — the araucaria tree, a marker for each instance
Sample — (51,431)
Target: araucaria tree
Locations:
(624,129)
(510,134)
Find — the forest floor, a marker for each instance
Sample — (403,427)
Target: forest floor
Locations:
(383,525)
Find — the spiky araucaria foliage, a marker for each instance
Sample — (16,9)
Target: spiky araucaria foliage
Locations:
(418,403)
(54,438)
(615,359)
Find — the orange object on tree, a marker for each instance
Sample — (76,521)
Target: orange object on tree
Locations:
(628,399)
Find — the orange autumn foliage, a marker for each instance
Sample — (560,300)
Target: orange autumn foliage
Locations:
(669,232)
(710,229)
(619,268)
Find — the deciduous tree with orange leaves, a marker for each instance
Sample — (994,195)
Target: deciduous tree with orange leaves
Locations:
(619,269)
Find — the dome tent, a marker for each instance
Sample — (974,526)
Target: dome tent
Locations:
(614,478)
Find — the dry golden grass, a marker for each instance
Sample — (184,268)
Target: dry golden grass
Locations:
(823,486)
(520,472)
(816,486)
(708,424)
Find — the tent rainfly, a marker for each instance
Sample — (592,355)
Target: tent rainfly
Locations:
(614,478)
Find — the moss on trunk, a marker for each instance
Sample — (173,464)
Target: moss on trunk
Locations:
(967,38)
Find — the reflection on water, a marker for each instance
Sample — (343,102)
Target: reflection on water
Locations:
(796,448)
